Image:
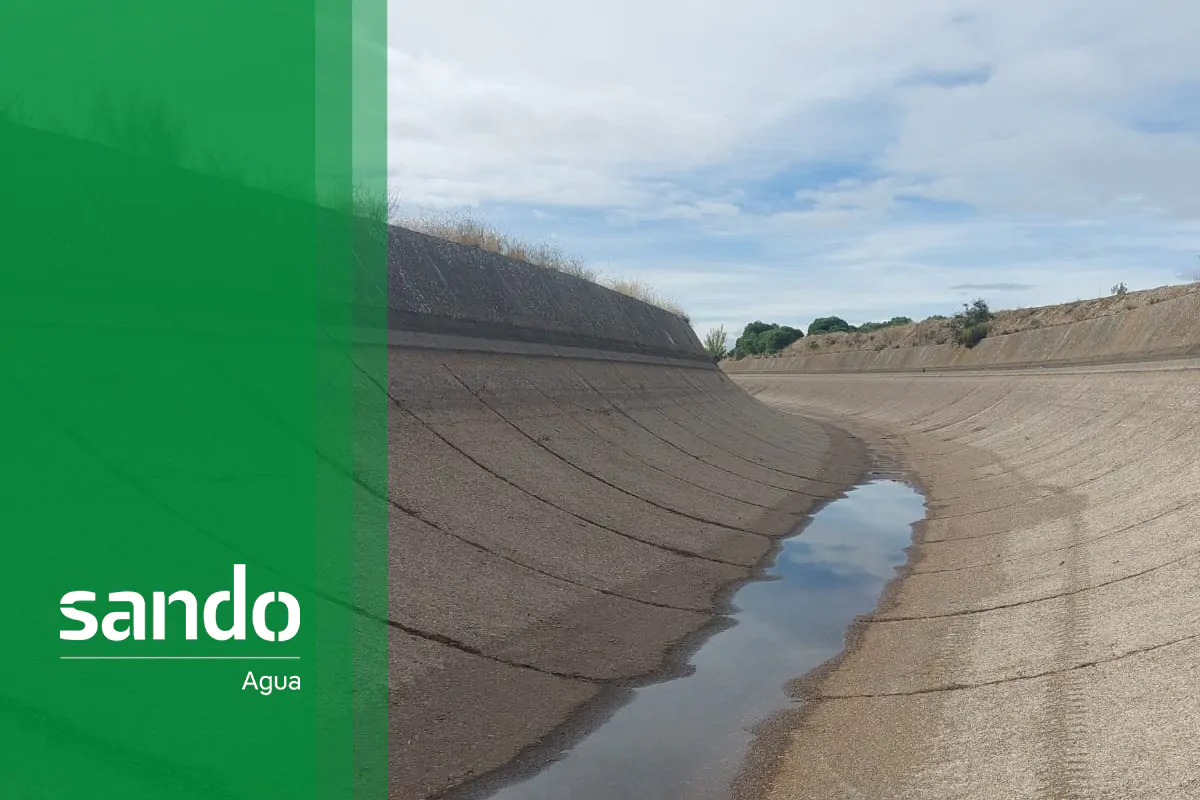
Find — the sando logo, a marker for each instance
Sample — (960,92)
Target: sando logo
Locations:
(130,620)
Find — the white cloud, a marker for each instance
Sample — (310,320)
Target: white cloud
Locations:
(1055,128)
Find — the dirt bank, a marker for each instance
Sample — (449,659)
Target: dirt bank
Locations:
(1166,328)
(1007,321)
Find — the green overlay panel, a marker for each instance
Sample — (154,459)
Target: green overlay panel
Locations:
(192,301)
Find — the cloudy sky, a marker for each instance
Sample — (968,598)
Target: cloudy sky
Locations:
(787,159)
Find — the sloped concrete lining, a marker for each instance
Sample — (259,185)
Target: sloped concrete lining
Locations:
(1045,641)
(575,490)
(445,288)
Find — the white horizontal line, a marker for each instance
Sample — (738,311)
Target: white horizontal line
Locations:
(180,658)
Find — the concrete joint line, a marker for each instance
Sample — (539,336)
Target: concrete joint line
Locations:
(611,485)
(1070,593)
(958,687)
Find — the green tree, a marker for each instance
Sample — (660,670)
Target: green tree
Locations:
(778,338)
(714,342)
(761,338)
(829,325)
(747,344)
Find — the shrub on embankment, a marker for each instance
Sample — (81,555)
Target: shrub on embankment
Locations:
(714,343)
(971,325)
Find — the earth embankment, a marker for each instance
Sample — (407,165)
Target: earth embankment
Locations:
(1162,330)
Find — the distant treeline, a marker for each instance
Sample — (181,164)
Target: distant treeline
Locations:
(762,338)
(968,327)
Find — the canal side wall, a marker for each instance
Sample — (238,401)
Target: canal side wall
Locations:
(1044,638)
(575,490)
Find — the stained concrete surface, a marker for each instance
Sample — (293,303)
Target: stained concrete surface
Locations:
(1046,641)
(575,492)
(562,526)
(443,288)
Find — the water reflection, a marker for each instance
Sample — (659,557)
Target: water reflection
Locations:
(686,738)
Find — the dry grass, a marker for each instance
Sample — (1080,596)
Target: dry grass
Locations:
(467,230)
(464,229)
(934,331)
(643,291)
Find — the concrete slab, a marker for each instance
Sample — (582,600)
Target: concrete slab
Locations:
(1044,641)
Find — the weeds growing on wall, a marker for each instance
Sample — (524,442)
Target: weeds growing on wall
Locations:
(462,228)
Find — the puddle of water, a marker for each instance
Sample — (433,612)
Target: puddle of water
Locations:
(686,738)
